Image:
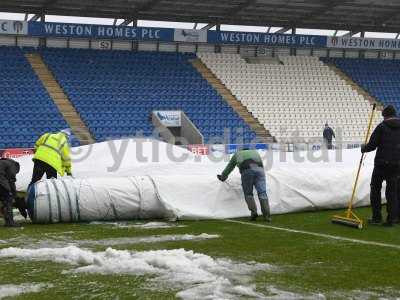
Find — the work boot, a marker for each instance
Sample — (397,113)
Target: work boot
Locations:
(252,207)
(374,222)
(267,218)
(265,207)
(8,216)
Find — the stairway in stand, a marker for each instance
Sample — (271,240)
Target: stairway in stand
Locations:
(262,134)
(69,113)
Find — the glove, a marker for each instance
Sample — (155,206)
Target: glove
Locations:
(221,178)
(363,150)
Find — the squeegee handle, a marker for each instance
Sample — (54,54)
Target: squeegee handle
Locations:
(361,161)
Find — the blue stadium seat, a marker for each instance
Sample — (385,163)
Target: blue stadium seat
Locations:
(115,91)
(380,78)
(27,109)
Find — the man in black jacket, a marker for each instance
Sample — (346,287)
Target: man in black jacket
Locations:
(386,139)
(328,133)
(8,171)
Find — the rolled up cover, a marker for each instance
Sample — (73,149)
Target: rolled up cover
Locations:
(99,199)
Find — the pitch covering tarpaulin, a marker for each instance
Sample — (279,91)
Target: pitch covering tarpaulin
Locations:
(173,183)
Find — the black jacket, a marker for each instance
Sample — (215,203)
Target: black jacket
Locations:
(8,170)
(328,133)
(386,139)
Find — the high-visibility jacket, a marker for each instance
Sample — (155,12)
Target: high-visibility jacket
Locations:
(53,149)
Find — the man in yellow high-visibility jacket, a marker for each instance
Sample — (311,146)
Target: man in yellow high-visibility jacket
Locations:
(52,155)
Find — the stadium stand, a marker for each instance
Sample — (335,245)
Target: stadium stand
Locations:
(294,98)
(27,110)
(116,91)
(379,77)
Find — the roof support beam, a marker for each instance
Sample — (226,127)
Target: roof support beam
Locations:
(397,36)
(283,30)
(208,26)
(126,22)
(195,26)
(37,17)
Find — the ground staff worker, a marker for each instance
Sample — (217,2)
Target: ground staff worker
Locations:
(328,134)
(252,172)
(8,171)
(52,155)
(386,139)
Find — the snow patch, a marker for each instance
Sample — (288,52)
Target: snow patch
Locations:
(277,294)
(149,225)
(64,241)
(155,225)
(195,275)
(12,290)
(147,239)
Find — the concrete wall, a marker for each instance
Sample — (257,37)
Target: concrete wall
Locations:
(189,131)
(164,133)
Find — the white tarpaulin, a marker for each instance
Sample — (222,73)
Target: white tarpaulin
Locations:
(173,183)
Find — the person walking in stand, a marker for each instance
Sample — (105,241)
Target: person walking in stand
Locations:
(52,155)
(252,173)
(8,172)
(386,139)
(327,134)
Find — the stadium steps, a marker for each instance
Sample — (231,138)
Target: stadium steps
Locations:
(242,111)
(69,113)
(355,86)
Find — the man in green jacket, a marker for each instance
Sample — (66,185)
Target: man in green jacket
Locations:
(252,172)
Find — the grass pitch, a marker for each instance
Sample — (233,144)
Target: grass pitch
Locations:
(308,266)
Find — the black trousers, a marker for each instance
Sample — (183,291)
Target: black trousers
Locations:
(40,168)
(328,144)
(7,200)
(5,196)
(390,174)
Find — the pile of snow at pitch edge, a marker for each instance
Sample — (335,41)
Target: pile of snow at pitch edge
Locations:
(193,275)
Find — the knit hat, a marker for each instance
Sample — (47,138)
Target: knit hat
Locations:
(389,111)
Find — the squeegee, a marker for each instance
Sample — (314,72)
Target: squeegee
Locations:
(350,218)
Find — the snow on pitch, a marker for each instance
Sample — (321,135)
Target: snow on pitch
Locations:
(149,225)
(12,290)
(193,274)
(63,241)
(148,239)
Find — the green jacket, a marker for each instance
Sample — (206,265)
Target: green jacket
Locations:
(241,159)
(53,149)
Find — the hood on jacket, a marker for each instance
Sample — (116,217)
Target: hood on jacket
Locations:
(15,163)
(393,123)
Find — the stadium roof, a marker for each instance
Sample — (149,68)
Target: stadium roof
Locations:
(353,15)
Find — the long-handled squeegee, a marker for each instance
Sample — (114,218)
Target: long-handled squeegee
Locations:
(350,218)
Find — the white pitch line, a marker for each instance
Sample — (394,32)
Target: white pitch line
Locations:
(327,236)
